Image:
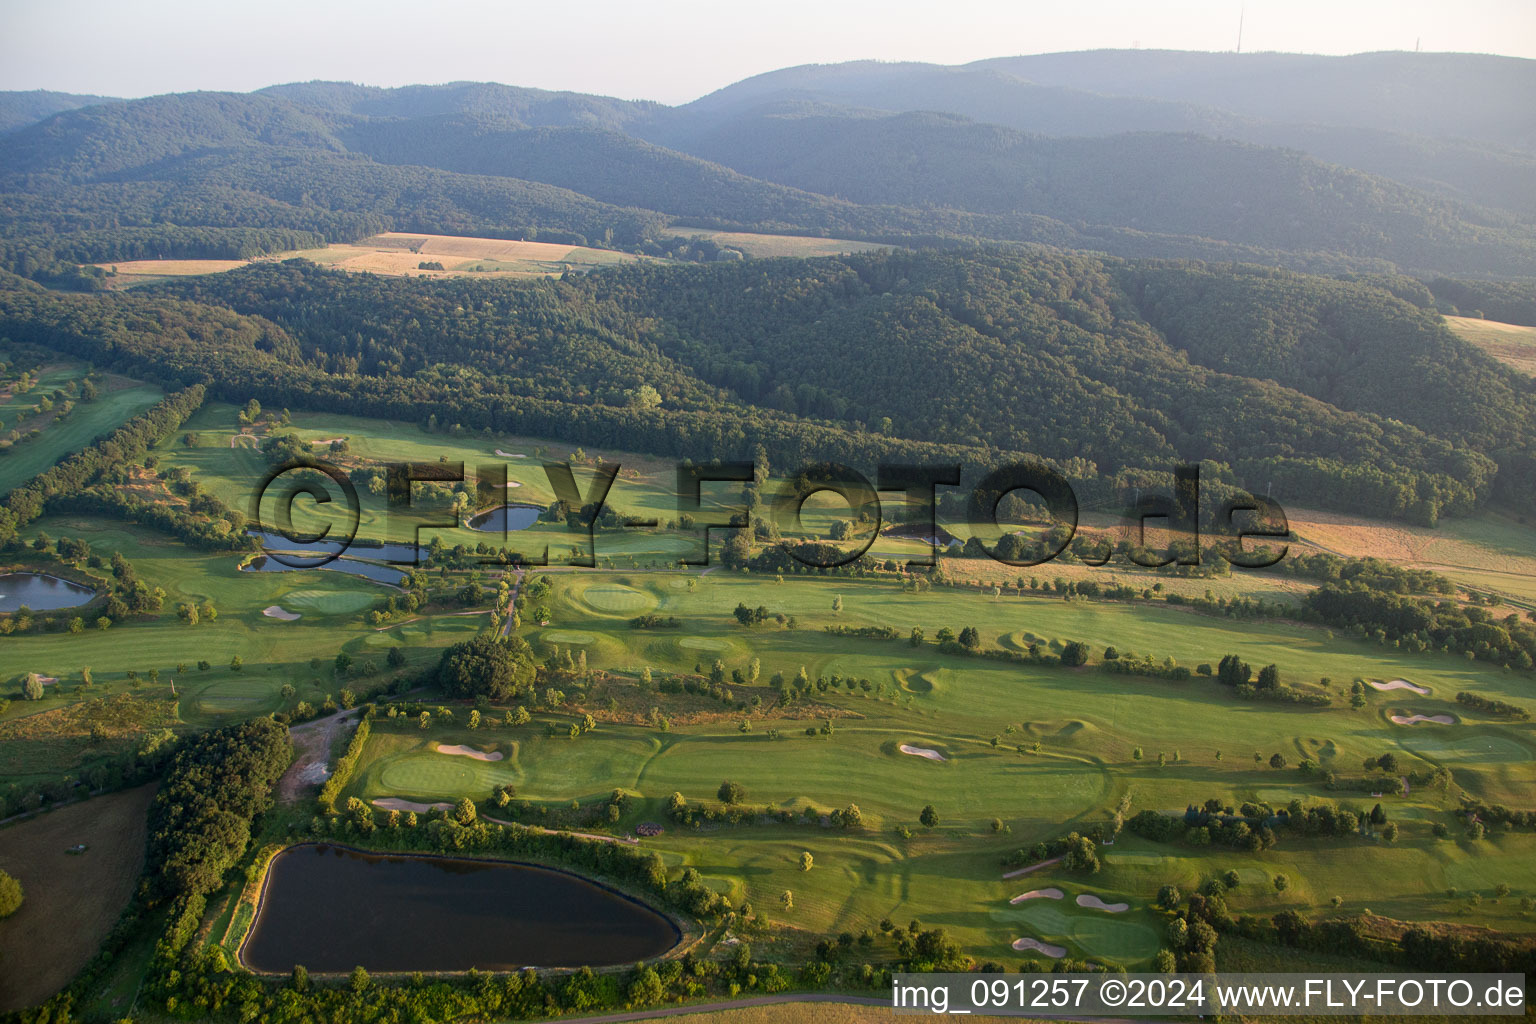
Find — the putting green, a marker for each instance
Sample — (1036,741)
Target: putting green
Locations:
(1107,936)
(382,640)
(430,774)
(567,636)
(617,599)
(1096,934)
(318,601)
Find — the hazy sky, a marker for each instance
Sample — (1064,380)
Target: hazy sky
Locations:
(670,51)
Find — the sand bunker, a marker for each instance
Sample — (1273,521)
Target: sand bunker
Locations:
(1399,684)
(1054,952)
(509,455)
(1416,719)
(513,483)
(463,751)
(1038,894)
(272,611)
(328,440)
(1094,903)
(1033,867)
(932,755)
(394,803)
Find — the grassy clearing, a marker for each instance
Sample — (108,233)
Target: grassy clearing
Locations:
(767,246)
(72,901)
(1491,552)
(1511,344)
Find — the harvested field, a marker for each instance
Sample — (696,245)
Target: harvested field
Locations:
(73,899)
(395,252)
(1511,344)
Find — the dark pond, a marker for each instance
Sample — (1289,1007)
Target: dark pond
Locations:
(359,548)
(332,909)
(40,593)
(378,573)
(505,518)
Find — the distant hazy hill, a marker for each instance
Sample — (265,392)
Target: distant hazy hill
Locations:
(1179,184)
(527,107)
(1451,123)
(19,109)
(1441,95)
(1213,156)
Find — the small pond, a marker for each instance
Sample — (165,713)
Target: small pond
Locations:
(390,551)
(505,518)
(40,592)
(389,574)
(332,909)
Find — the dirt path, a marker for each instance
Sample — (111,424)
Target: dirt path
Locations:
(312,743)
(624,840)
(506,628)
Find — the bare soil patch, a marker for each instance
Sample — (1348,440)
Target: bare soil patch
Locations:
(72,900)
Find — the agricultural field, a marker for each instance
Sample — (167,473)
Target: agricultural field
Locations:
(72,900)
(397,253)
(1491,553)
(765,246)
(1511,344)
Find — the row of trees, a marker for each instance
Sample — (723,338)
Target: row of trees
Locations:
(1421,624)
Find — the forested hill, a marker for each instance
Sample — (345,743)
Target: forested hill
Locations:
(976,355)
(1452,124)
(907,154)
(19,109)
